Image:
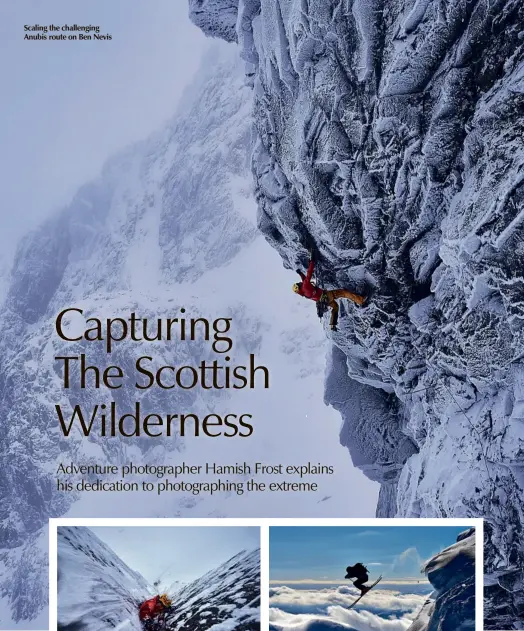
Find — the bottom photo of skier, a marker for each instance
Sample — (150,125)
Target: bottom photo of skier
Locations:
(158,578)
(383,578)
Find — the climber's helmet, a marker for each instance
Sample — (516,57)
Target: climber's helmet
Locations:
(296,287)
(165,600)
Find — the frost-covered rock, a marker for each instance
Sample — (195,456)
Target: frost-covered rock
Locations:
(389,136)
(452,574)
(377,444)
(217,19)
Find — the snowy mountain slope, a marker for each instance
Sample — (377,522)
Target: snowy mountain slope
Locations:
(452,573)
(389,136)
(227,598)
(25,574)
(170,223)
(96,589)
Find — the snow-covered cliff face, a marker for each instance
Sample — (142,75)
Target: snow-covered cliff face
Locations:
(227,598)
(97,590)
(452,574)
(127,242)
(216,18)
(389,137)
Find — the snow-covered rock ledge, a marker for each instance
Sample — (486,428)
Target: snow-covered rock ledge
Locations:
(389,134)
(452,574)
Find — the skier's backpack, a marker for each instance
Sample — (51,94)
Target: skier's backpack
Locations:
(322,305)
(361,567)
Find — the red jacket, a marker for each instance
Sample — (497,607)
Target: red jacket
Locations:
(307,289)
(150,608)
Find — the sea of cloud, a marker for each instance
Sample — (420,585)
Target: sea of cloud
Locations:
(325,607)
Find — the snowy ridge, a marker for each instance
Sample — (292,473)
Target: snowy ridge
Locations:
(389,136)
(225,599)
(110,252)
(96,589)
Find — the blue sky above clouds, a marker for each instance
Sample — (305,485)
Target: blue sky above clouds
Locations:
(322,553)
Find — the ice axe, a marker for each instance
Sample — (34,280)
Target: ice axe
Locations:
(311,252)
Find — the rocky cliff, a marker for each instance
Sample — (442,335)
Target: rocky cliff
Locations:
(388,138)
(452,574)
(227,597)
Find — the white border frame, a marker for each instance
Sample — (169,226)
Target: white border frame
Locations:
(264,524)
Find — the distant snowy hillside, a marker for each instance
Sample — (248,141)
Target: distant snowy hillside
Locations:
(170,223)
(389,136)
(98,591)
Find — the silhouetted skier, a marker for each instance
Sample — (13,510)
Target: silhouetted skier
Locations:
(324,297)
(360,572)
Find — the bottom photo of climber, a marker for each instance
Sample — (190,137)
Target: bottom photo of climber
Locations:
(373,578)
(156,578)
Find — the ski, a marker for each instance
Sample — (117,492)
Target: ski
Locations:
(362,596)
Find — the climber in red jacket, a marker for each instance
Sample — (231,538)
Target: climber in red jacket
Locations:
(152,609)
(324,297)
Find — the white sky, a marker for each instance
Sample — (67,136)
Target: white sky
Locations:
(71,105)
(181,553)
